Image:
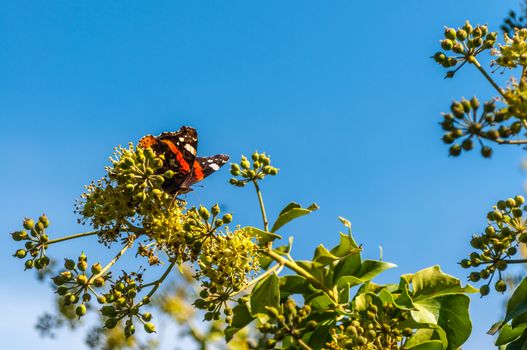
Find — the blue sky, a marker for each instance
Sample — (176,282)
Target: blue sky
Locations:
(342,94)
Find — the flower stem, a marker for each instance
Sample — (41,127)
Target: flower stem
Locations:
(476,63)
(128,244)
(262,207)
(66,238)
(157,283)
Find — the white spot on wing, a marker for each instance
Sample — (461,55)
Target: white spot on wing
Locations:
(191,149)
(214,167)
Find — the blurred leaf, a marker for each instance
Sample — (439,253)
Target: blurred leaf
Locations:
(265,293)
(263,236)
(294,284)
(509,334)
(290,212)
(241,318)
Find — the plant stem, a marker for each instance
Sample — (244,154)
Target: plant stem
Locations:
(65,238)
(262,207)
(128,244)
(476,63)
(269,271)
(511,142)
(157,283)
(302,272)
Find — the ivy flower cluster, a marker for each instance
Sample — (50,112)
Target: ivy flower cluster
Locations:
(35,243)
(260,167)
(289,321)
(514,52)
(377,327)
(506,229)
(465,43)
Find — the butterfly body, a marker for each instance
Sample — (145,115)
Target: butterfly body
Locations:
(179,149)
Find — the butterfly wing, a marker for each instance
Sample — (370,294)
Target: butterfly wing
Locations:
(179,149)
(204,166)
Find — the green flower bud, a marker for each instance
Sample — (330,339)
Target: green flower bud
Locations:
(227,218)
(455,150)
(461,34)
(147,316)
(98,282)
(21,253)
(486,151)
(108,311)
(215,210)
(101,299)
(28,264)
(500,286)
(39,227)
(245,164)
(69,264)
(82,279)
(465,263)
(110,323)
(467,144)
(204,213)
(149,328)
(44,220)
(19,235)
(446,44)
(484,290)
(28,223)
(80,310)
(439,57)
(474,276)
(255,156)
(519,200)
(62,290)
(490,231)
(450,33)
(517,212)
(501,265)
(96,268)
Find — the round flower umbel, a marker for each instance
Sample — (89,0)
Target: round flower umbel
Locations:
(36,242)
(260,167)
(466,124)
(289,321)
(228,261)
(465,43)
(505,231)
(131,190)
(378,327)
(516,98)
(514,52)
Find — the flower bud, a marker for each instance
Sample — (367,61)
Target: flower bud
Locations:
(450,33)
(149,327)
(227,219)
(80,310)
(245,163)
(446,44)
(98,282)
(96,268)
(486,151)
(44,220)
(461,34)
(255,156)
(82,279)
(21,253)
(204,213)
(29,264)
(28,224)
(500,286)
(215,210)
(484,290)
(69,264)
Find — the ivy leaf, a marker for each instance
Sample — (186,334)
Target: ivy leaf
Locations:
(426,339)
(290,212)
(323,256)
(509,334)
(321,335)
(432,282)
(294,284)
(265,293)
(346,246)
(263,237)
(241,317)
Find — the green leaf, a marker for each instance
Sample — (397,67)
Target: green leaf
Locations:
(323,256)
(321,335)
(517,304)
(291,212)
(432,282)
(427,338)
(427,345)
(241,317)
(346,246)
(294,284)
(450,312)
(319,301)
(265,293)
(262,236)
(509,334)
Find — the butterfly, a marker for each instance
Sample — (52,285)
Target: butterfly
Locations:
(179,149)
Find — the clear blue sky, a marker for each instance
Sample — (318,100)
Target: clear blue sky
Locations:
(342,94)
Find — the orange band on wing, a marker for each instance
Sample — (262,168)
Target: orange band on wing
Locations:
(198,171)
(179,156)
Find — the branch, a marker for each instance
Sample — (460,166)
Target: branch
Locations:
(65,238)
